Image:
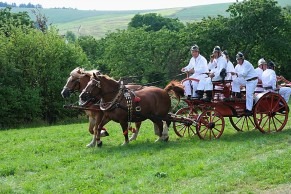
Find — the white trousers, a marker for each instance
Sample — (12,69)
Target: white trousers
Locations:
(187,87)
(250,89)
(285,92)
(206,83)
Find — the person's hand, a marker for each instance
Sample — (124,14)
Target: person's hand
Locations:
(279,78)
(211,75)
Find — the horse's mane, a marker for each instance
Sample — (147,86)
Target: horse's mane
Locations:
(175,86)
(90,73)
(80,72)
(107,77)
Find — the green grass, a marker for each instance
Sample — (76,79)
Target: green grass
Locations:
(55,160)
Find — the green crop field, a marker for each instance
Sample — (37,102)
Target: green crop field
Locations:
(54,159)
(99,23)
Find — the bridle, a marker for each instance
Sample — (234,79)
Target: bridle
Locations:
(76,86)
(106,105)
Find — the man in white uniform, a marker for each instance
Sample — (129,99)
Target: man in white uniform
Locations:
(246,76)
(259,70)
(216,67)
(198,66)
(229,66)
(269,80)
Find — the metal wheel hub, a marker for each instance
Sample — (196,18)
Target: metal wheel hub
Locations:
(211,125)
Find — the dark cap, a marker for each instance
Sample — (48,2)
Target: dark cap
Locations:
(271,64)
(239,55)
(216,49)
(194,48)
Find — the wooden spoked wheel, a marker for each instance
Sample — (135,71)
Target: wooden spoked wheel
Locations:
(210,125)
(271,113)
(186,128)
(243,123)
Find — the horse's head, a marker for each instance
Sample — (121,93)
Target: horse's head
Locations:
(77,81)
(92,90)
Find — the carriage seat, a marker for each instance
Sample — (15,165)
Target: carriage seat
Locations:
(259,88)
(221,89)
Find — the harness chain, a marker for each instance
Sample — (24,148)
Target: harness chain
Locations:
(129,108)
(108,105)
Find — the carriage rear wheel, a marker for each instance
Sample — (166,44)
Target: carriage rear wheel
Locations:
(210,125)
(243,123)
(182,128)
(271,113)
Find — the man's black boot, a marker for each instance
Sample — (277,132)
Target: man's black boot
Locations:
(238,95)
(208,96)
(199,94)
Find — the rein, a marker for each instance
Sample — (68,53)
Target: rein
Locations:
(155,82)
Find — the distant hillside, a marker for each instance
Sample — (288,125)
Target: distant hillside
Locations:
(98,23)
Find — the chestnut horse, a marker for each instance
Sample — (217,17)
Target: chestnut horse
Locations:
(77,81)
(123,105)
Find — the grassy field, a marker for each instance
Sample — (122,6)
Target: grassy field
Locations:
(55,159)
(99,23)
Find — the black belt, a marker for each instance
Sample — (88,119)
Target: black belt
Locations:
(251,79)
(268,88)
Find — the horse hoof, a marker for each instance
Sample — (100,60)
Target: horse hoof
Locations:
(132,139)
(104,133)
(90,145)
(99,145)
(166,139)
(125,143)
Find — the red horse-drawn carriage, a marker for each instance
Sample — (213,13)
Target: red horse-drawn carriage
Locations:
(206,119)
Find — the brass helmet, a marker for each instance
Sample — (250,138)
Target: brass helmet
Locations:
(262,61)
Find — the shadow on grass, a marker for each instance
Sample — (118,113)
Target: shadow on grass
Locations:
(254,134)
(148,145)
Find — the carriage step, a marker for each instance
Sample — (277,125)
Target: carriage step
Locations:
(234,100)
(228,99)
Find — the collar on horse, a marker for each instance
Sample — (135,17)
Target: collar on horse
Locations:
(127,93)
(108,105)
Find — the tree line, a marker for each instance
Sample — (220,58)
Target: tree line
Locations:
(35,63)
(21,5)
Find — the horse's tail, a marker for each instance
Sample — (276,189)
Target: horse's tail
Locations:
(175,87)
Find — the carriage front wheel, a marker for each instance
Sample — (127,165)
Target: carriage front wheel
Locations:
(186,128)
(271,113)
(210,125)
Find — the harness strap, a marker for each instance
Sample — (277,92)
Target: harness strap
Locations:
(107,106)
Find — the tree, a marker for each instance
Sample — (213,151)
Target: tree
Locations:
(71,37)
(8,20)
(259,28)
(41,20)
(153,56)
(154,22)
(34,68)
